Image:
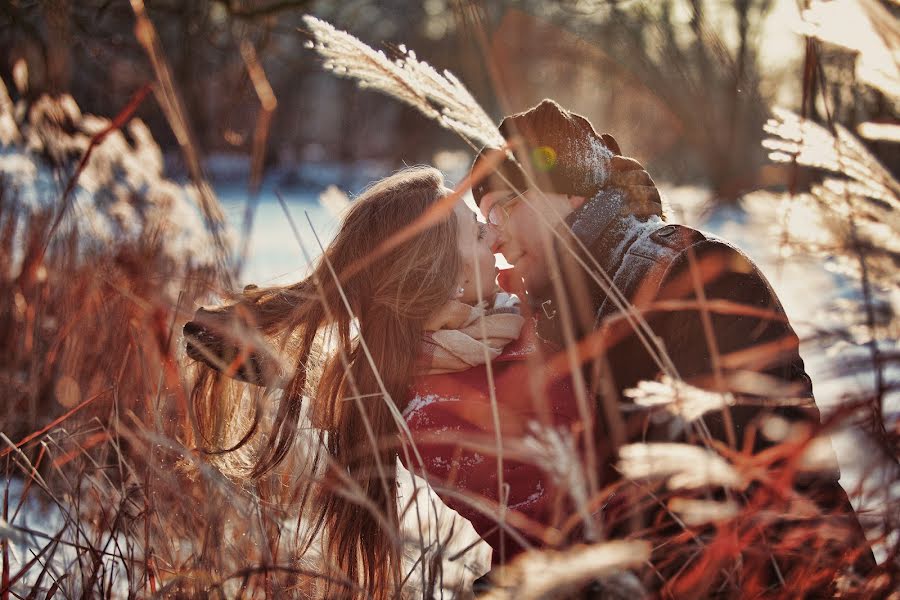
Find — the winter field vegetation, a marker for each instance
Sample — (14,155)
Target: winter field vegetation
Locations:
(111,488)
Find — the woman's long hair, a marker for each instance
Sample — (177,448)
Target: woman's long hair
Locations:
(370,308)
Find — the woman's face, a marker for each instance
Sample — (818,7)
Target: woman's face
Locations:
(479,267)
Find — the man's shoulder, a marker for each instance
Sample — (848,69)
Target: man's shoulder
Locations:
(667,251)
(664,242)
(672,243)
(682,256)
(668,242)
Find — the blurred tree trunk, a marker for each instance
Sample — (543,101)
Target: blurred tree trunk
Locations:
(57,16)
(347,141)
(189,73)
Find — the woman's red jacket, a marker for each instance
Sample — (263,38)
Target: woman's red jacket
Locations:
(452,424)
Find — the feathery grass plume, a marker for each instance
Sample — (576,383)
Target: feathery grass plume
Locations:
(852,217)
(439,96)
(884,132)
(335,201)
(863,26)
(695,512)
(684,400)
(554,450)
(682,465)
(856,207)
(558,574)
(810,144)
(819,456)
(821,225)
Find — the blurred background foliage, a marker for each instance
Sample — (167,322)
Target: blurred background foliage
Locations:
(684,85)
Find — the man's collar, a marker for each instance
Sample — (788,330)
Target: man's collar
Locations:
(590,220)
(602,225)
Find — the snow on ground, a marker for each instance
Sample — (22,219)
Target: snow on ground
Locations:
(121,194)
(274,254)
(33,527)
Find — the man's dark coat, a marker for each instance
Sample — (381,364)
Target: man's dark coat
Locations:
(742,340)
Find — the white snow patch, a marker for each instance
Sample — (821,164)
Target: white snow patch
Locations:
(422,402)
(536,495)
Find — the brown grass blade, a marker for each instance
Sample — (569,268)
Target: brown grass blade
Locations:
(54,423)
(173,108)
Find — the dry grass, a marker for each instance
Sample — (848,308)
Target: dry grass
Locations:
(99,439)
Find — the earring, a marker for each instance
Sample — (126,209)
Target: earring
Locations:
(460,291)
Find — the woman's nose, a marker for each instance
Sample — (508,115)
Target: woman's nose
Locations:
(494,237)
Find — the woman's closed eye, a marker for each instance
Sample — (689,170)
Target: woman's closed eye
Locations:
(482,231)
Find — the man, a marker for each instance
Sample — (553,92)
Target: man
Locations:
(641,298)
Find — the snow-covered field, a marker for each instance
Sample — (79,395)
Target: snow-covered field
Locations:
(274,255)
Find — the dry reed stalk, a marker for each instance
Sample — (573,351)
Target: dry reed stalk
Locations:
(267,104)
(172,106)
(854,208)
(78,314)
(203,535)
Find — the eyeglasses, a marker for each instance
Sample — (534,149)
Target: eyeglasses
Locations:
(498,216)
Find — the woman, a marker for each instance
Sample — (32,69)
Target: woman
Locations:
(405,334)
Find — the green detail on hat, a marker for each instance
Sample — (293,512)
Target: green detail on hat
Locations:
(543,158)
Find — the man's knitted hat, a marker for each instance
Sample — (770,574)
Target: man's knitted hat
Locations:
(565,154)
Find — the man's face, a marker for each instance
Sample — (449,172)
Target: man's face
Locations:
(524,225)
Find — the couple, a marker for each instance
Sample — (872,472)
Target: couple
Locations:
(419,355)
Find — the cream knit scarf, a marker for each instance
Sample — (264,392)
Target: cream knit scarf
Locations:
(460,336)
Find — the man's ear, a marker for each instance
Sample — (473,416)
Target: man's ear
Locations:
(575,201)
